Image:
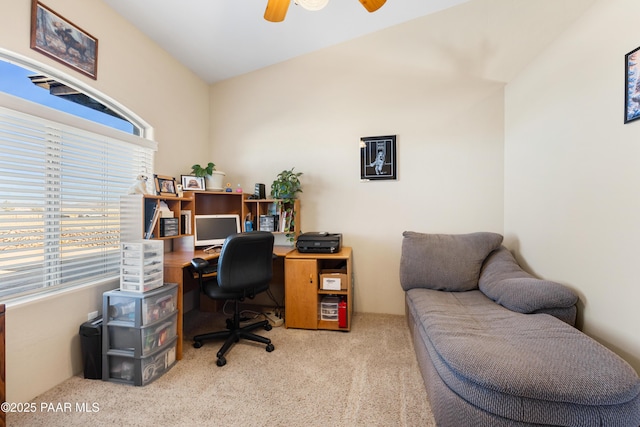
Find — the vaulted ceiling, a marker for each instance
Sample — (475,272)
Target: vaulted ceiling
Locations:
(219,39)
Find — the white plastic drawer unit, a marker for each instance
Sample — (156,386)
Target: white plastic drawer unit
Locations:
(141,265)
(329,308)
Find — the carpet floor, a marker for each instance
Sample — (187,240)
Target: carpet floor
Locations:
(366,377)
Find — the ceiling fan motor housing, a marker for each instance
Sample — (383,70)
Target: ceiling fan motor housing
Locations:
(277,9)
(312,4)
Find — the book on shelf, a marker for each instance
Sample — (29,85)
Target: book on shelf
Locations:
(151,219)
(185,221)
(285,221)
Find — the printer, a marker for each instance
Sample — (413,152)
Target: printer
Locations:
(319,242)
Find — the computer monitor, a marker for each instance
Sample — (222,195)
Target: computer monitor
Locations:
(212,230)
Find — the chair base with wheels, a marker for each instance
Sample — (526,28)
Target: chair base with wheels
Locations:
(234,334)
(244,270)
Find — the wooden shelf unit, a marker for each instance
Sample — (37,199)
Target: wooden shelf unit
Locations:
(216,202)
(302,288)
(136,211)
(257,207)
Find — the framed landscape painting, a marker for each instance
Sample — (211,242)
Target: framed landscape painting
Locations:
(56,37)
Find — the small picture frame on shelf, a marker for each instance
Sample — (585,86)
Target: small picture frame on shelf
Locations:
(192,182)
(165,185)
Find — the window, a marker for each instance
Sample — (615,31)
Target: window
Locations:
(52,91)
(61,178)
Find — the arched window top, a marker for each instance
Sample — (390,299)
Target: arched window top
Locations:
(47,86)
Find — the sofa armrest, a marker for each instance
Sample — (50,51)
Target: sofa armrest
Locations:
(567,315)
(504,281)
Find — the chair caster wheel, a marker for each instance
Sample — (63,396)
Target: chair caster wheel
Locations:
(270,348)
(268,327)
(197,344)
(221,361)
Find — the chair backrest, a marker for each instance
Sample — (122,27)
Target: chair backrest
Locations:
(246,261)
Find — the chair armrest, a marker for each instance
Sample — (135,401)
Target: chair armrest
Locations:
(204,268)
(199,263)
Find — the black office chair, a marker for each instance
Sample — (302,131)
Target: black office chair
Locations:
(244,269)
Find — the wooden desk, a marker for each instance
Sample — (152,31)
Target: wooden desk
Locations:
(174,272)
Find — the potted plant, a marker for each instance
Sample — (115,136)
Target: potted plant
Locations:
(212,177)
(286,185)
(284,189)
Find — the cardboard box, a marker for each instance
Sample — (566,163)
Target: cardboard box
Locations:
(333,280)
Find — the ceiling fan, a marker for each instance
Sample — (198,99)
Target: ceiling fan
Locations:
(277,9)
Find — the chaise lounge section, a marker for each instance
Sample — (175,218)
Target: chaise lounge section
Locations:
(498,347)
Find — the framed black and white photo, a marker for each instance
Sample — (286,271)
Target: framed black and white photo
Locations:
(165,185)
(60,39)
(378,158)
(192,183)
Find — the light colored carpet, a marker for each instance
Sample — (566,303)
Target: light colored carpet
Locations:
(366,377)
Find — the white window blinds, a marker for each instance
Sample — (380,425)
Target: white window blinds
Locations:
(60,187)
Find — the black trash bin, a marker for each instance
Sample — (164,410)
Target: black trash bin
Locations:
(91,344)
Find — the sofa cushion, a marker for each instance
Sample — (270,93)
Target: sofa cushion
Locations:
(525,367)
(503,281)
(528,294)
(448,262)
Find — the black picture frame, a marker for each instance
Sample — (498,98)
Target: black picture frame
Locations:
(632,85)
(192,182)
(60,39)
(165,185)
(378,158)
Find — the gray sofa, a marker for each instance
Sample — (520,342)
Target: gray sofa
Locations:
(497,346)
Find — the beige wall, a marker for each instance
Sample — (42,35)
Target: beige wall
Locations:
(571,196)
(310,113)
(435,82)
(43,346)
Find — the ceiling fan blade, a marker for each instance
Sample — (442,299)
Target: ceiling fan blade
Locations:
(372,5)
(276,10)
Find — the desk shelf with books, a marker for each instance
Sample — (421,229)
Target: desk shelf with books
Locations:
(286,219)
(156,217)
